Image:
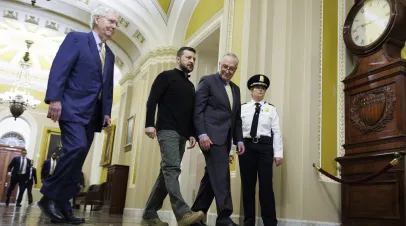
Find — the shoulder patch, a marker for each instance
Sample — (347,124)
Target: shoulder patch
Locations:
(269,104)
(243,103)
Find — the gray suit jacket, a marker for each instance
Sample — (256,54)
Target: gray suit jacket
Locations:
(213,115)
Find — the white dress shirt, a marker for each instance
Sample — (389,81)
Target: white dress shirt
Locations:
(99,48)
(23,162)
(53,165)
(98,41)
(268,121)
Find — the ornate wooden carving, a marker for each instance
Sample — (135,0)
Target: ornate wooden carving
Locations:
(372,110)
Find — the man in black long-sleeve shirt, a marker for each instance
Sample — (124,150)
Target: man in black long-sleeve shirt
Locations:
(174,94)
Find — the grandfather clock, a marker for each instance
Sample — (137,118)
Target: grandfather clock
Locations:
(375,114)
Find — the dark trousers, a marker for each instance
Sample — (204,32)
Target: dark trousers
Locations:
(28,186)
(172,147)
(76,140)
(216,184)
(257,161)
(20,180)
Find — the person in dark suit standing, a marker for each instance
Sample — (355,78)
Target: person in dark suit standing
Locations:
(18,170)
(48,167)
(32,179)
(80,95)
(217,119)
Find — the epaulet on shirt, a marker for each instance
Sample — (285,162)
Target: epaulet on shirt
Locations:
(269,104)
(243,103)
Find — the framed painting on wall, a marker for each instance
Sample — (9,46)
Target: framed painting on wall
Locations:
(50,143)
(129,133)
(108,142)
(54,145)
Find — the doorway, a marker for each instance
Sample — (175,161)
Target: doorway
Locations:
(7,153)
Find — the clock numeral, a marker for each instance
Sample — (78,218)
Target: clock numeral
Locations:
(362,42)
(355,30)
(384,6)
(370,40)
(356,38)
(362,10)
(387,14)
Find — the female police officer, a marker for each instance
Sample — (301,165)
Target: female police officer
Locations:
(263,142)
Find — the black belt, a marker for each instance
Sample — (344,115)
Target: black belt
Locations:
(261,139)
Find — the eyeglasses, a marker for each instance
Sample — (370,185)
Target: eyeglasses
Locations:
(111,21)
(226,67)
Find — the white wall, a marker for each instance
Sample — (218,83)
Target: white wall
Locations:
(19,126)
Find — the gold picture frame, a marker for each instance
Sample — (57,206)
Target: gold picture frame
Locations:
(108,142)
(129,133)
(50,142)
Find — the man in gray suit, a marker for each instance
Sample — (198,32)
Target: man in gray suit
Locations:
(217,119)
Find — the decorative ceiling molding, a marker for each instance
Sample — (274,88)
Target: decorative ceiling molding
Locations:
(139,37)
(31,19)
(50,29)
(86,2)
(10,14)
(165,16)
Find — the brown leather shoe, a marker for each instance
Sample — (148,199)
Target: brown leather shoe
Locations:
(191,218)
(153,222)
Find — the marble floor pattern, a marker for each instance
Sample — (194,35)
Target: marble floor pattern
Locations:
(32,216)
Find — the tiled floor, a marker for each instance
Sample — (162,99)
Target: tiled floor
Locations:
(32,216)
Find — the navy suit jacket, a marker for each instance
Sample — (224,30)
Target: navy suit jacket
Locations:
(213,115)
(46,167)
(14,166)
(76,79)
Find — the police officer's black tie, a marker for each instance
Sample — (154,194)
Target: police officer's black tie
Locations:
(254,125)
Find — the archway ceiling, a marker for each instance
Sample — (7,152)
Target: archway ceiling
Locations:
(143,24)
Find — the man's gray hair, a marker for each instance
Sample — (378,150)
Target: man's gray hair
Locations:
(100,11)
(231,55)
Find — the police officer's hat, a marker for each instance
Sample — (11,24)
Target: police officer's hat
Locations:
(258,80)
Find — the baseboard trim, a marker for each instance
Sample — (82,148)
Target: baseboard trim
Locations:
(293,222)
(168,216)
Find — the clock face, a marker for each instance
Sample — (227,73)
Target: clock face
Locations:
(370,22)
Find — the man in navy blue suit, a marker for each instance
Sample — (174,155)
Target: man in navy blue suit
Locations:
(80,95)
(48,167)
(18,170)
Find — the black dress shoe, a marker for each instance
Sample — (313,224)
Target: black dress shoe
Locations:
(50,209)
(70,219)
(18,205)
(230,224)
(7,201)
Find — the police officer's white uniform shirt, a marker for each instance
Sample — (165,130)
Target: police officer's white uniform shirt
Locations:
(268,120)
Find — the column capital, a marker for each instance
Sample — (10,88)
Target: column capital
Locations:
(164,54)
